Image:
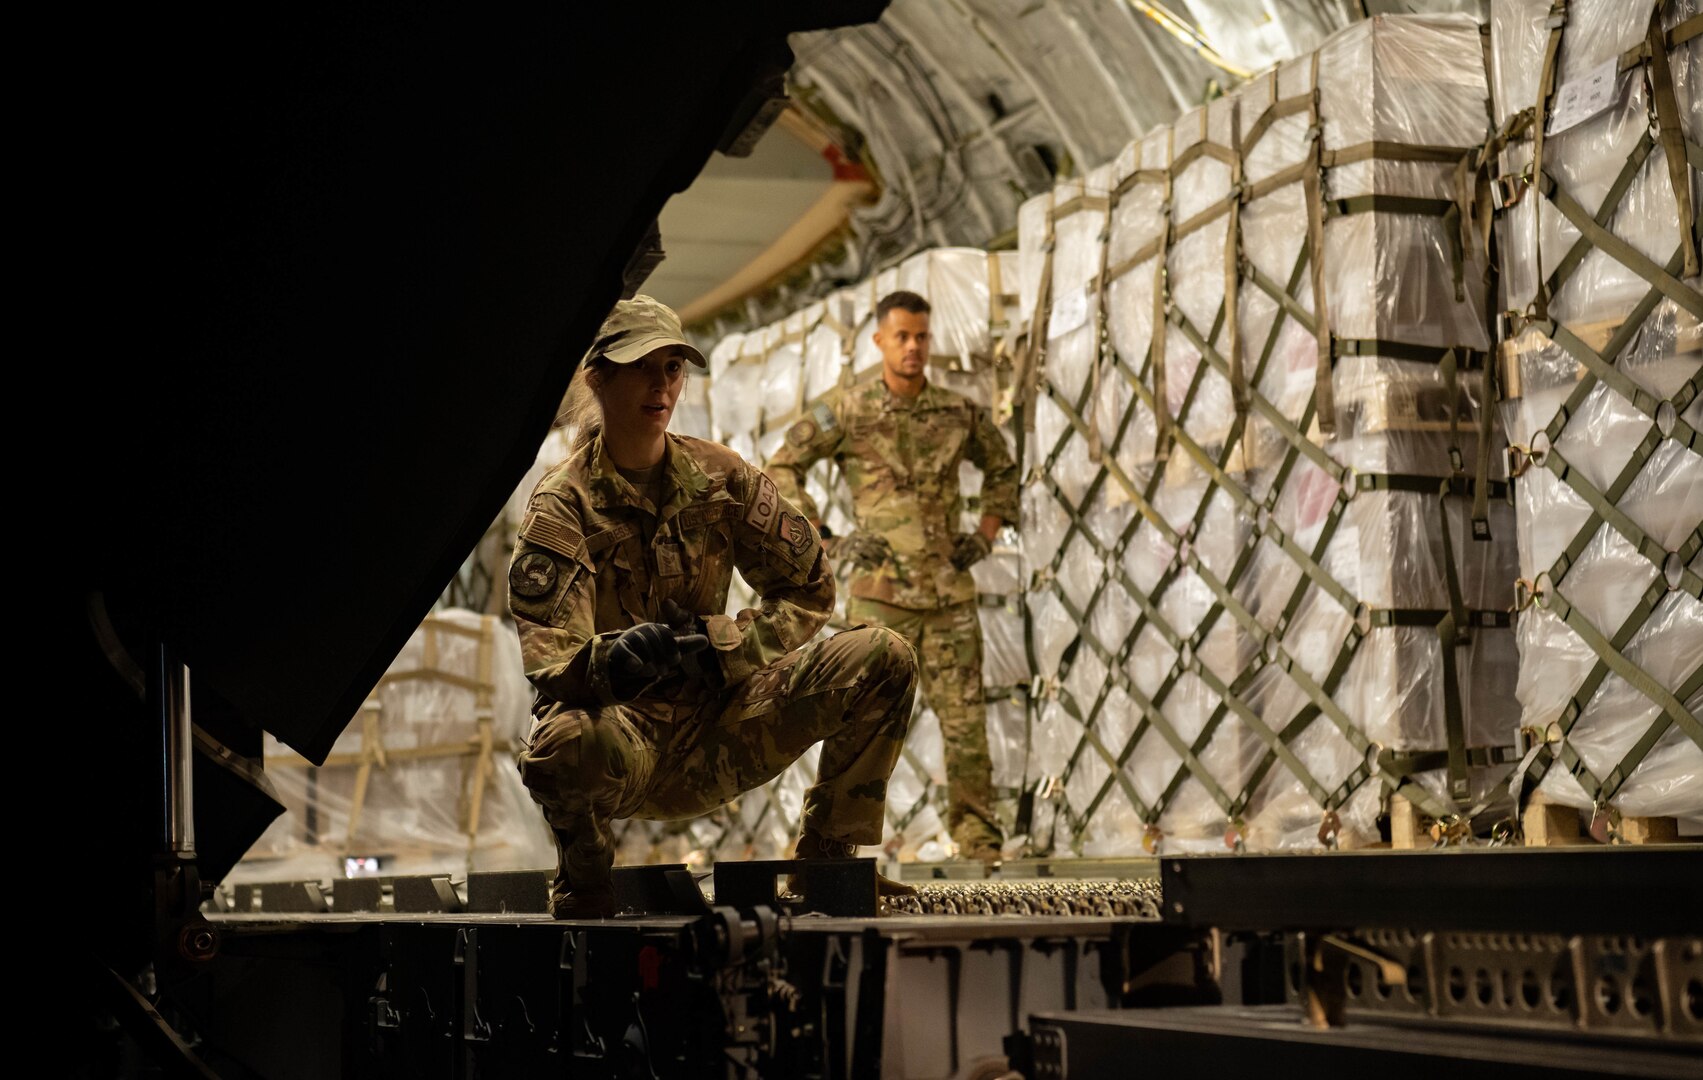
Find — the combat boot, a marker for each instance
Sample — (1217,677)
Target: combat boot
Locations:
(588,900)
(978,843)
(813,845)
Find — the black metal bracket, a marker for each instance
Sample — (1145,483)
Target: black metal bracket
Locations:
(1653,891)
(843,887)
(424,895)
(660,889)
(517,891)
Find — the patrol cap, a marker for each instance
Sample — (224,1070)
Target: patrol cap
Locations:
(636,328)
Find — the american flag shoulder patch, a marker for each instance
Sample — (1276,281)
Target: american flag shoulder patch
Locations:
(550,531)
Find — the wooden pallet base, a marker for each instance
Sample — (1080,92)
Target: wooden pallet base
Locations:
(1649,830)
(1550,824)
(1410,828)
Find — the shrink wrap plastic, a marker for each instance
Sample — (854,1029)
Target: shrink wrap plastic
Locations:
(1140,565)
(1608,583)
(415,813)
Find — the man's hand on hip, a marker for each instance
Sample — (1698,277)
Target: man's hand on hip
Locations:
(969,549)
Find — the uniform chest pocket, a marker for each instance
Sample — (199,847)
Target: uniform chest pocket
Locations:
(873,439)
(937,441)
(702,532)
(707,559)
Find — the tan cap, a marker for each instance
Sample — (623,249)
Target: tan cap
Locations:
(638,327)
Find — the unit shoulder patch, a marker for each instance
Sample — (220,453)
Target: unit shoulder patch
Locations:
(797,533)
(802,432)
(532,575)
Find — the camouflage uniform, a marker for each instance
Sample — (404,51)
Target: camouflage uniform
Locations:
(901,458)
(583,571)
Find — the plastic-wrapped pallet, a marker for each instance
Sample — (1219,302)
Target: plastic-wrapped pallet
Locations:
(1282,619)
(760,384)
(424,777)
(1401,612)
(1602,370)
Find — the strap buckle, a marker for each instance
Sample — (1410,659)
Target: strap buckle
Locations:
(1452,830)
(1508,191)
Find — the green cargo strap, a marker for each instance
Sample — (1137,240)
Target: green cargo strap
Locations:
(1112,470)
(1389,204)
(1156,343)
(1277,181)
(1465,358)
(1312,183)
(1027,378)
(1232,272)
(1674,38)
(1119,269)
(1231,696)
(1274,112)
(1427,618)
(1285,297)
(1557,24)
(1604,509)
(1425,484)
(1674,711)
(1274,742)
(1452,393)
(1401,764)
(1673,139)
(1610,206)
(1627,765)
(1449,636)
(1379,150)
(1447,209)
(1481,485)
(1419,795)
(1095,448)
(1204,148)
(1627,255)
(1085,201)
(1634,394)
(1139,176)
(1294,435)
(1582,695)
(1114,765)
(1206,217)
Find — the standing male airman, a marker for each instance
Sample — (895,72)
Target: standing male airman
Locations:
(900,439)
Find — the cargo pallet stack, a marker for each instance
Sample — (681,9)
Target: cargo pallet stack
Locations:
(1593,175)
(1261,602)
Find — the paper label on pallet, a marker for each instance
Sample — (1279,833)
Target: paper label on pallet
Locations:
(1582,98)
(1070,312)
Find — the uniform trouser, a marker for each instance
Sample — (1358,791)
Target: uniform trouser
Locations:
(851,692)
(948,641)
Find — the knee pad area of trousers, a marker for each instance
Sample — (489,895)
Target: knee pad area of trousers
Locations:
(888,653)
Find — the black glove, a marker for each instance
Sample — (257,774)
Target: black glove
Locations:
(969,549)
(698,661)
(645,653)
(864,551)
